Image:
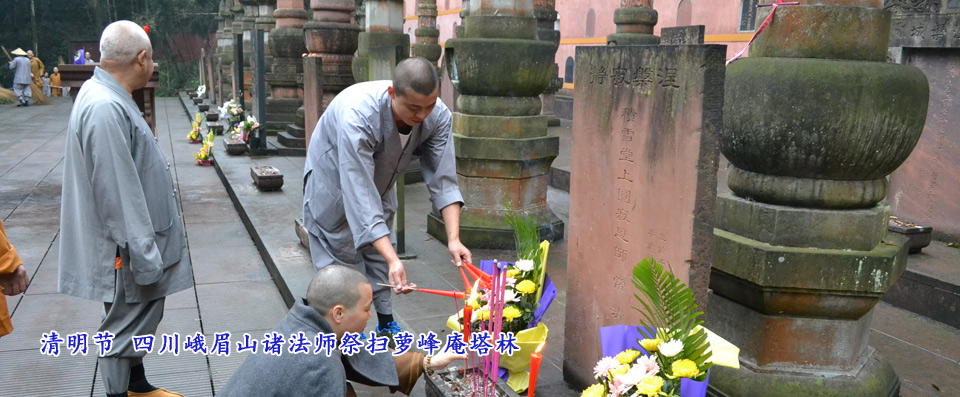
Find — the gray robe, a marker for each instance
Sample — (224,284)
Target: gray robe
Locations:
(354,160)
(310,374)
(118,195)
(21,67)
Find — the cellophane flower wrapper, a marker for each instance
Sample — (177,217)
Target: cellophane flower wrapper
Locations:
(617,338)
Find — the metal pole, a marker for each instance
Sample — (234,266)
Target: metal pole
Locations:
(383,60)
(259,87)
(238,93)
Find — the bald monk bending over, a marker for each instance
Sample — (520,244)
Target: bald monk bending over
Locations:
(122,241)
(338,301)
(363,142)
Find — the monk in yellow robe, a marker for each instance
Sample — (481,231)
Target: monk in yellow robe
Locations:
(36,69)
(55,82)
(13,279)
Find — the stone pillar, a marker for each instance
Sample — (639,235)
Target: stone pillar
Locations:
(464,12)
(332,36)
(503,151)
(265,21)
(225,44)
(546,12)
(361,14)
(285,77)
(384,28)
(428,35)
(815,121)
(635,20)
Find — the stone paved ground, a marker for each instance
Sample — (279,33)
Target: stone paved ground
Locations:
(235,290)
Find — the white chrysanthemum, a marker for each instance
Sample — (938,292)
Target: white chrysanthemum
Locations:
(671,348)
(525,265)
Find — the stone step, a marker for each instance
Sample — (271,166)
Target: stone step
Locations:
(296,131)
(289,141)
(930,285)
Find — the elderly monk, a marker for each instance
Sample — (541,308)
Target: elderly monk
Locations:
(338,301)
(13,279)
(122,240)
(21,77)
(366,137)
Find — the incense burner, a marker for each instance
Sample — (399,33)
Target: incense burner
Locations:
(459,382)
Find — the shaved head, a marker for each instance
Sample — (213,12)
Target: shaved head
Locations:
(415,74)
(122,41)
(335,285)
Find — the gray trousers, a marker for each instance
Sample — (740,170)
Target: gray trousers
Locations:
(125,320)
(373,266)
(22,92)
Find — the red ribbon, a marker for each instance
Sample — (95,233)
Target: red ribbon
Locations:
(766,22)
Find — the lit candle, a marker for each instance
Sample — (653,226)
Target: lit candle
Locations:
(467,319)
(535,358)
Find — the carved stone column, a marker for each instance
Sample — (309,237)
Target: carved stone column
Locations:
(814,122)
(332,36)
(503,151)
(384,27)
(546,12)
(285,78)
(635,20)
(427,45)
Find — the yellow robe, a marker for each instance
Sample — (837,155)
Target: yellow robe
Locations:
(9,262)
(55,84)
(36,67)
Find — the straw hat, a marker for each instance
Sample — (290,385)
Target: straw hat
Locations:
(19,51)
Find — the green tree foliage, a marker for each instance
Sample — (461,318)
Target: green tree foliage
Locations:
(60,22)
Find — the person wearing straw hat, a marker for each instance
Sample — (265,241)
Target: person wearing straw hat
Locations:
(21,77)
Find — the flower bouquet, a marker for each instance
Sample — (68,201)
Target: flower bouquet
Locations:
(203,156)
(243,129)
(194,136)
(231,111)
(527,295)
(673,356)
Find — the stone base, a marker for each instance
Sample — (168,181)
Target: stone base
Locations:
(493,237)
(876,379)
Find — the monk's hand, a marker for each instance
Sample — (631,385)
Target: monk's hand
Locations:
(398,278)
(442,360)
(459,252)
(16,282)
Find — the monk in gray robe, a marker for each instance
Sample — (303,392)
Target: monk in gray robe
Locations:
(21,77)
(121,235)
(366,137)
(338,301)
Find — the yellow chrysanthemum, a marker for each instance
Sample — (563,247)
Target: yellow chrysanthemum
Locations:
(627,356)
(619,370)
(511,312)
(475,305)
(650,345)
(482,314)
(685,369)
(595,390)
(650,386)
(526,287)
(513,273)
